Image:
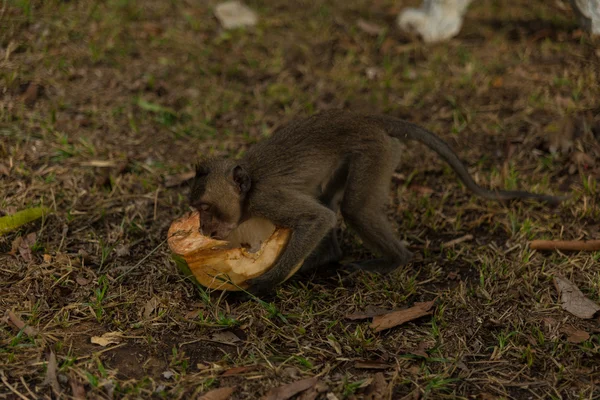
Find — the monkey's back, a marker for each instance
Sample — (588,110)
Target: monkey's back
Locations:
(303,153)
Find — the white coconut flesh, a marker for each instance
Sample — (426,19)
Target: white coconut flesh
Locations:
(249,251)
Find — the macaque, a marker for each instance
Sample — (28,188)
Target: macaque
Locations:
(308,170)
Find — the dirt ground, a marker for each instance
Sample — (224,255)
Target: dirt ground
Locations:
(105,106)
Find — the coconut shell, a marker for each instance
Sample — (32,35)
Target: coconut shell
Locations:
(249,251)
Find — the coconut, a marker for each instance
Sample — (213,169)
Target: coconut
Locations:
(249,251)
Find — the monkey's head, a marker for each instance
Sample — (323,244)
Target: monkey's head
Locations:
(218,193)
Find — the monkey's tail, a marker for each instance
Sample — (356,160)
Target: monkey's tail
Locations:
(403,130)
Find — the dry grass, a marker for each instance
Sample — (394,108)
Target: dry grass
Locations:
(150,86)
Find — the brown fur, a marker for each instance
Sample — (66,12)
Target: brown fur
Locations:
(304,172)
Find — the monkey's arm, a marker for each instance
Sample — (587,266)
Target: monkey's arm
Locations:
(309,221)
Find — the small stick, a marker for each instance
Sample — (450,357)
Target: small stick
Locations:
(457,240)
(572,245)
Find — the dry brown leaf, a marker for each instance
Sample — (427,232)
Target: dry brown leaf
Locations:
(378,388)
(581,158)
(286,391)
(372,365)
(559,137)
(390,320)
(51,369)
(369,27)
(4,170)
(575,335)
(226,337)
(497,82)
(19,324)
(77,388)
(107,338)
(25,246)
(239,370)
(313,392)
(420,189)
(31,94)
(218,394)
(149,307)
(369,312)
(82,281)
(573,300)
(14,246)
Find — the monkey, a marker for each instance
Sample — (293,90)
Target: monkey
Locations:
(305,172)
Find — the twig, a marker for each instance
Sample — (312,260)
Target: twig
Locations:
(11,388)
(571,245)
(142,260)
(457,240)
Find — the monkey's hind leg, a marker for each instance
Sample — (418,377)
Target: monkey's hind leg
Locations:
(363,210)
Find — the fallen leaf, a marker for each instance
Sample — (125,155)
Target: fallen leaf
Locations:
(14,247)
(390,320)
(372,365)
(77,388)
(82,281)
(377,389)
(218,394)
(176,180)
(497,82)
(107,338)
(369,27)
(420,189)
(422,348)
(559,137)
(233,14)
(226,337)
(313,392)
(20,325)
(51,369)
(239,370)
(4,170)
(149,307)
(453,276)
(575,335)
(573,300)
(581,158)
(31,94)
(369,312)
(168,374)
(286,391)
(25,246)
(152,28)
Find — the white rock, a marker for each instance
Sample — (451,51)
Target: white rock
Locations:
(588,12)
(438,20)
(233,14)
(435,20)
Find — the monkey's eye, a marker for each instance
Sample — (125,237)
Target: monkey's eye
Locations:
(204,207)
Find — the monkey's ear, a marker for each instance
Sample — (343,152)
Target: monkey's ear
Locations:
(241,178)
